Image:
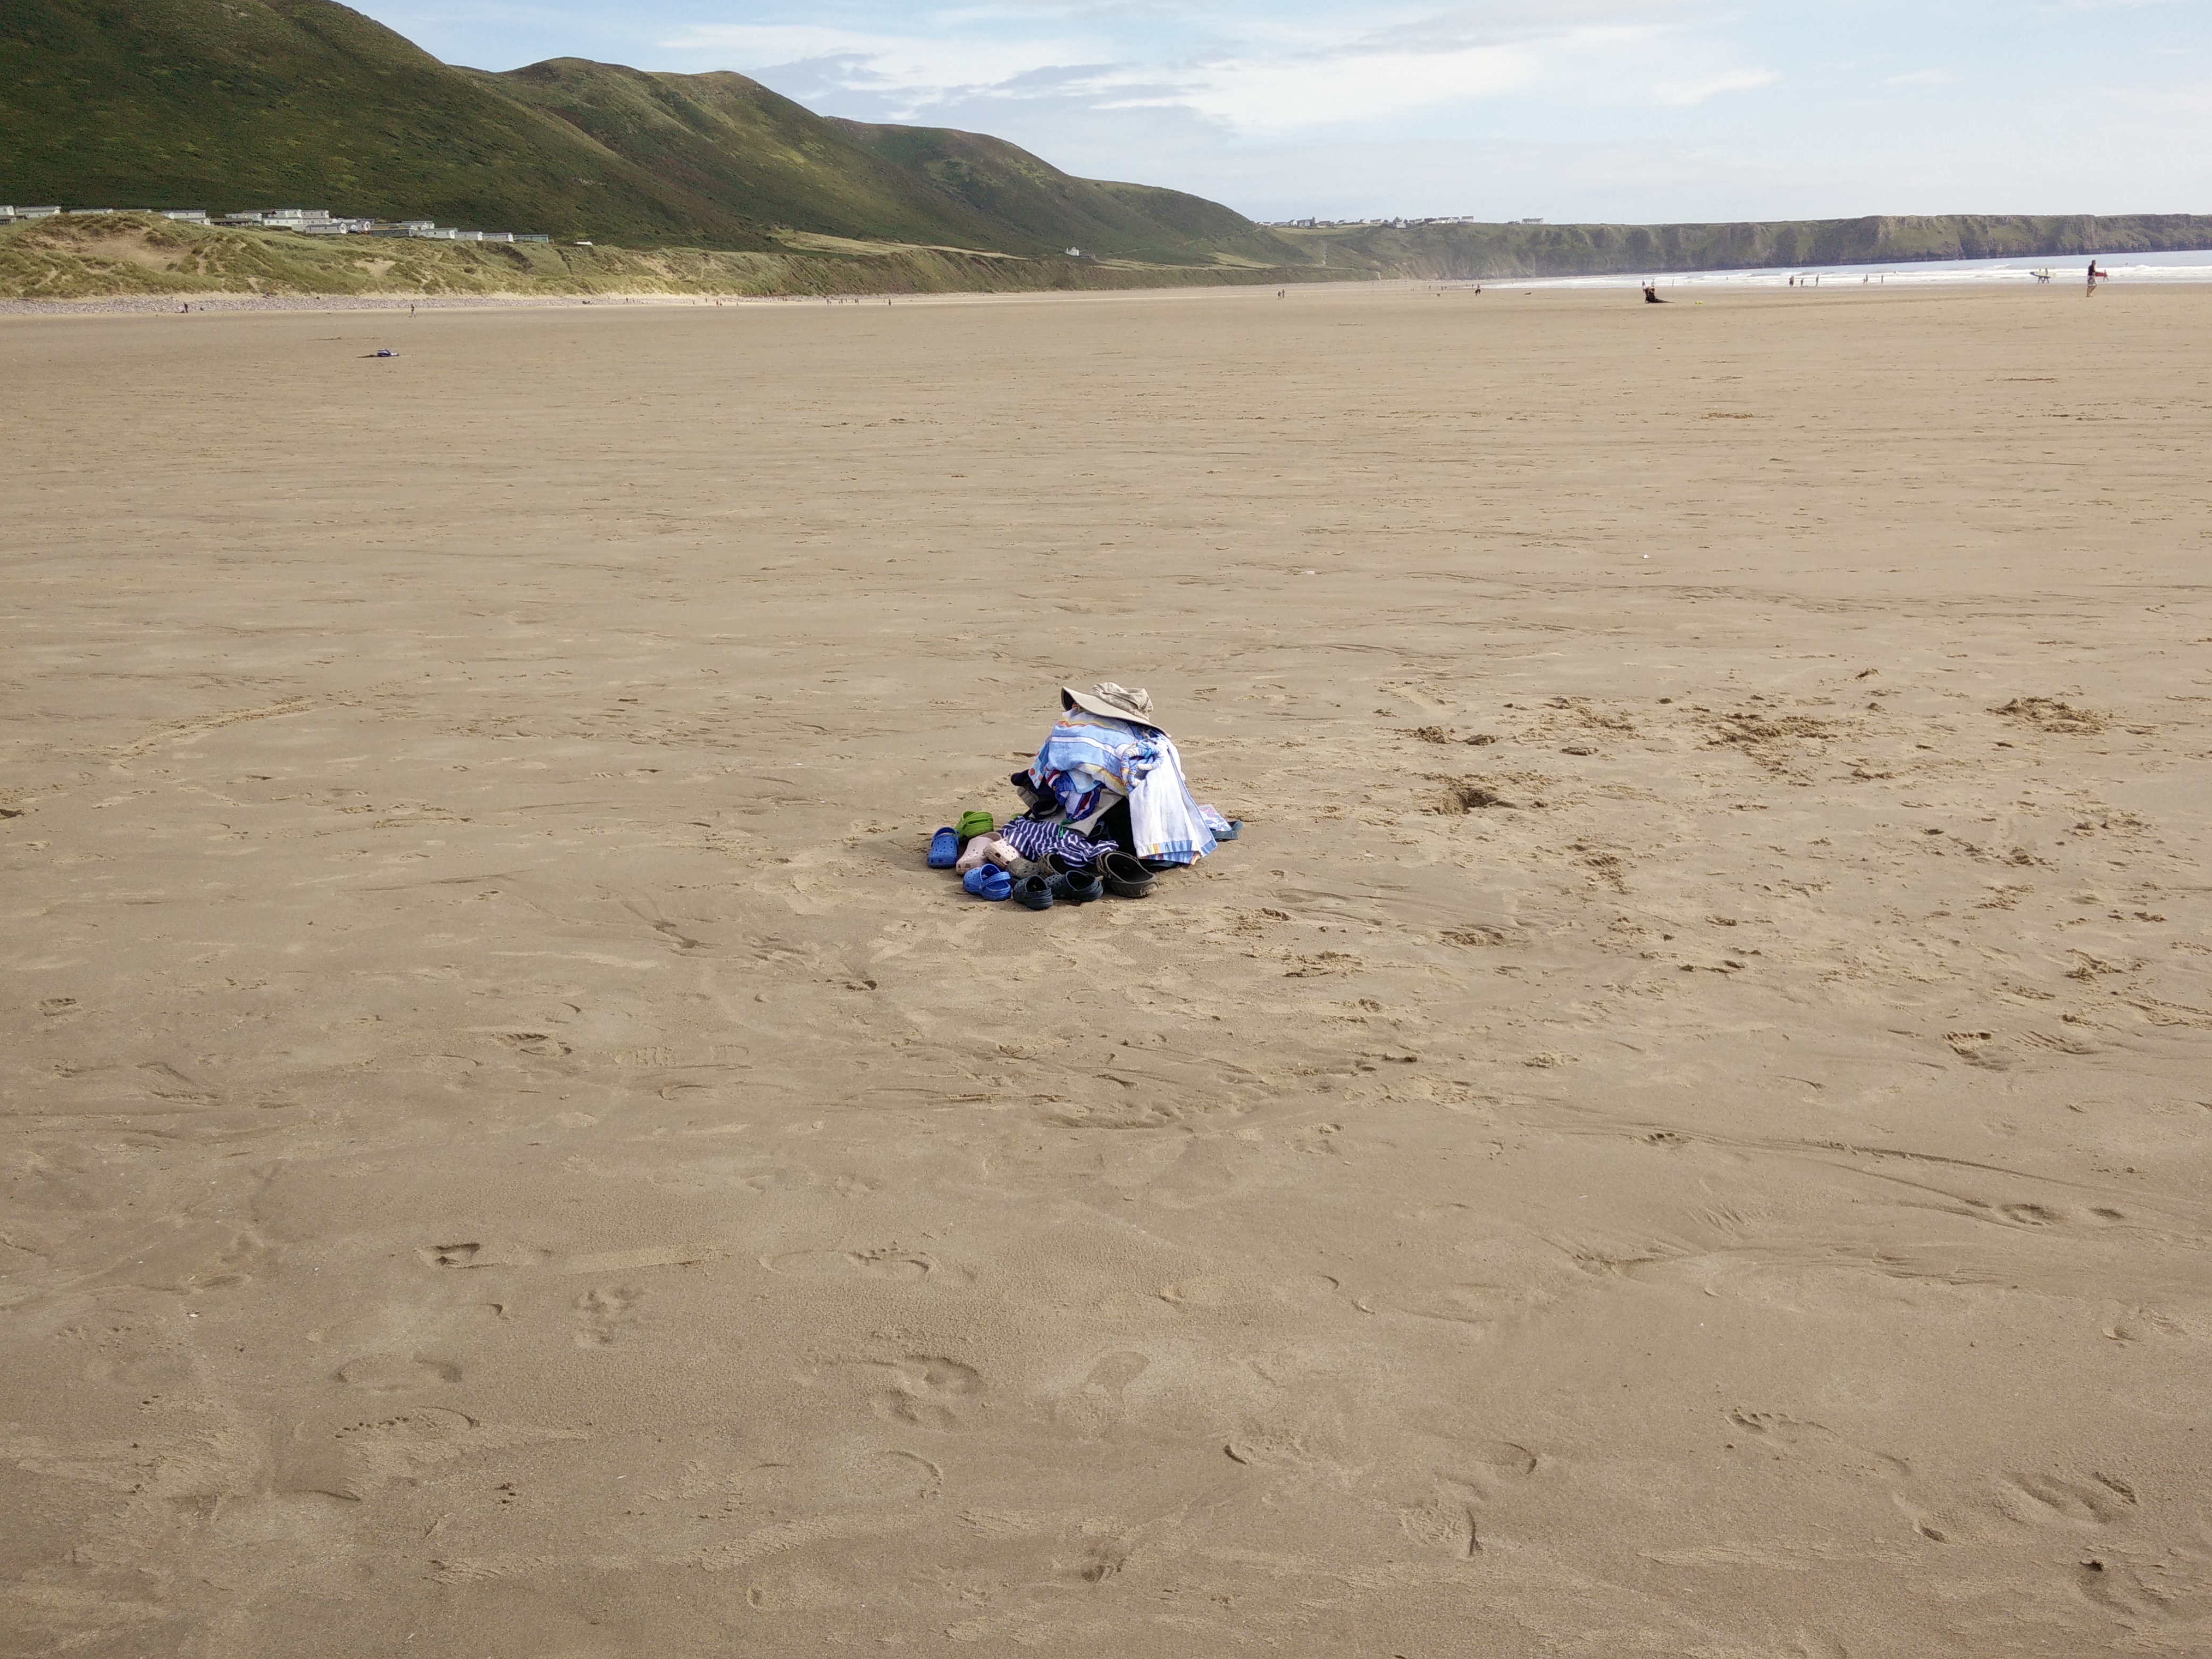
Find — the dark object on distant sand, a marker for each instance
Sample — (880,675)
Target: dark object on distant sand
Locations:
(1651,295)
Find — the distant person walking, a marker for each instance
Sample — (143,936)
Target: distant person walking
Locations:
(2095,276)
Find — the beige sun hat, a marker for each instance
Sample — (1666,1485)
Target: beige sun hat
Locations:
(1115,702)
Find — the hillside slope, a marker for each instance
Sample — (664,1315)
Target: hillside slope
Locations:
(228,103)
(1056,210)
(730,140)
(225,104)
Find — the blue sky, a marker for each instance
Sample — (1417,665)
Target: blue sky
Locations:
(1573,110)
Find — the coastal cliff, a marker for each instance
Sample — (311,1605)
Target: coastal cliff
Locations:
(1479,250)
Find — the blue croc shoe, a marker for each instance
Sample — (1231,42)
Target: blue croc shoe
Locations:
(1036,891)
(945,848)
(988,881)
(1236,828)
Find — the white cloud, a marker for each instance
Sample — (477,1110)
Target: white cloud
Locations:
(925,66)
(1285,94)
(1276,75)
(1927,77)
(1681,95)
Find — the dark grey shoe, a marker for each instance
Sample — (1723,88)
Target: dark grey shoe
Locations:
(1076,887)
(1124,876)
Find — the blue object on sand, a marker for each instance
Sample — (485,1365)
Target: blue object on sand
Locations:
(1036,891)
(945,848)
(1236,828)
(1076,886)
(988,881)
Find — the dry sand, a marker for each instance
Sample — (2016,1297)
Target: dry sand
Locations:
(1679,1130)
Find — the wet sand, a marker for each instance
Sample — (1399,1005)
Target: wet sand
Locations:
(1681,1127)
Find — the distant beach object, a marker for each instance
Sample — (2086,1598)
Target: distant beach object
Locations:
(2095,276)
(1651,295)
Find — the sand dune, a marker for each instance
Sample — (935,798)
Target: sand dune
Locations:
(1680,1128)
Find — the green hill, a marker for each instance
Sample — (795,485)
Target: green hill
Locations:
(1055,211)
(727,139)
(231,104)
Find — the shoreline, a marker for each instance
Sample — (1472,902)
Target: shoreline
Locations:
(220,303)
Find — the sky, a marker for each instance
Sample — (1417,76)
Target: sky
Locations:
(1577,110)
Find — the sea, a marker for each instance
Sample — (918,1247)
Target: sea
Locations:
(2192,266)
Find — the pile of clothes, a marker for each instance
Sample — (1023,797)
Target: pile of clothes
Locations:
(1109,810)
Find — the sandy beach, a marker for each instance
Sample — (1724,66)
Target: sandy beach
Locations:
(1680,1128)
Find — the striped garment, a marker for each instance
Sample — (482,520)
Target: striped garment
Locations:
(1085,757)
(1033,840)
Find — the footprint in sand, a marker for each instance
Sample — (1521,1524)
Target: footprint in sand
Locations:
(932,1392)
(888,1262)
(1779,1426)
(393,1373)
(1097,1404)
(2175,1588)
(1780,1433)
(539,1045)
(2045,1500)
(604,1316)
(476,1254)
(1451,1519)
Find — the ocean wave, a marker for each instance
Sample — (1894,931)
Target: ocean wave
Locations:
(2191,266)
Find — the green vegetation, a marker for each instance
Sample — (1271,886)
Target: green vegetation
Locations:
(1047,210)
(232,104)
(89,256)
(229,104)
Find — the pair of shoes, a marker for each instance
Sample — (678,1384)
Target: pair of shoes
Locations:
(976,824)
(945,848)
(1075,886)
(995,848)
(1124,876)
(988,881)
(1036,891)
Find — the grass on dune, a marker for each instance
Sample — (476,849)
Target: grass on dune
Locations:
(86,257)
